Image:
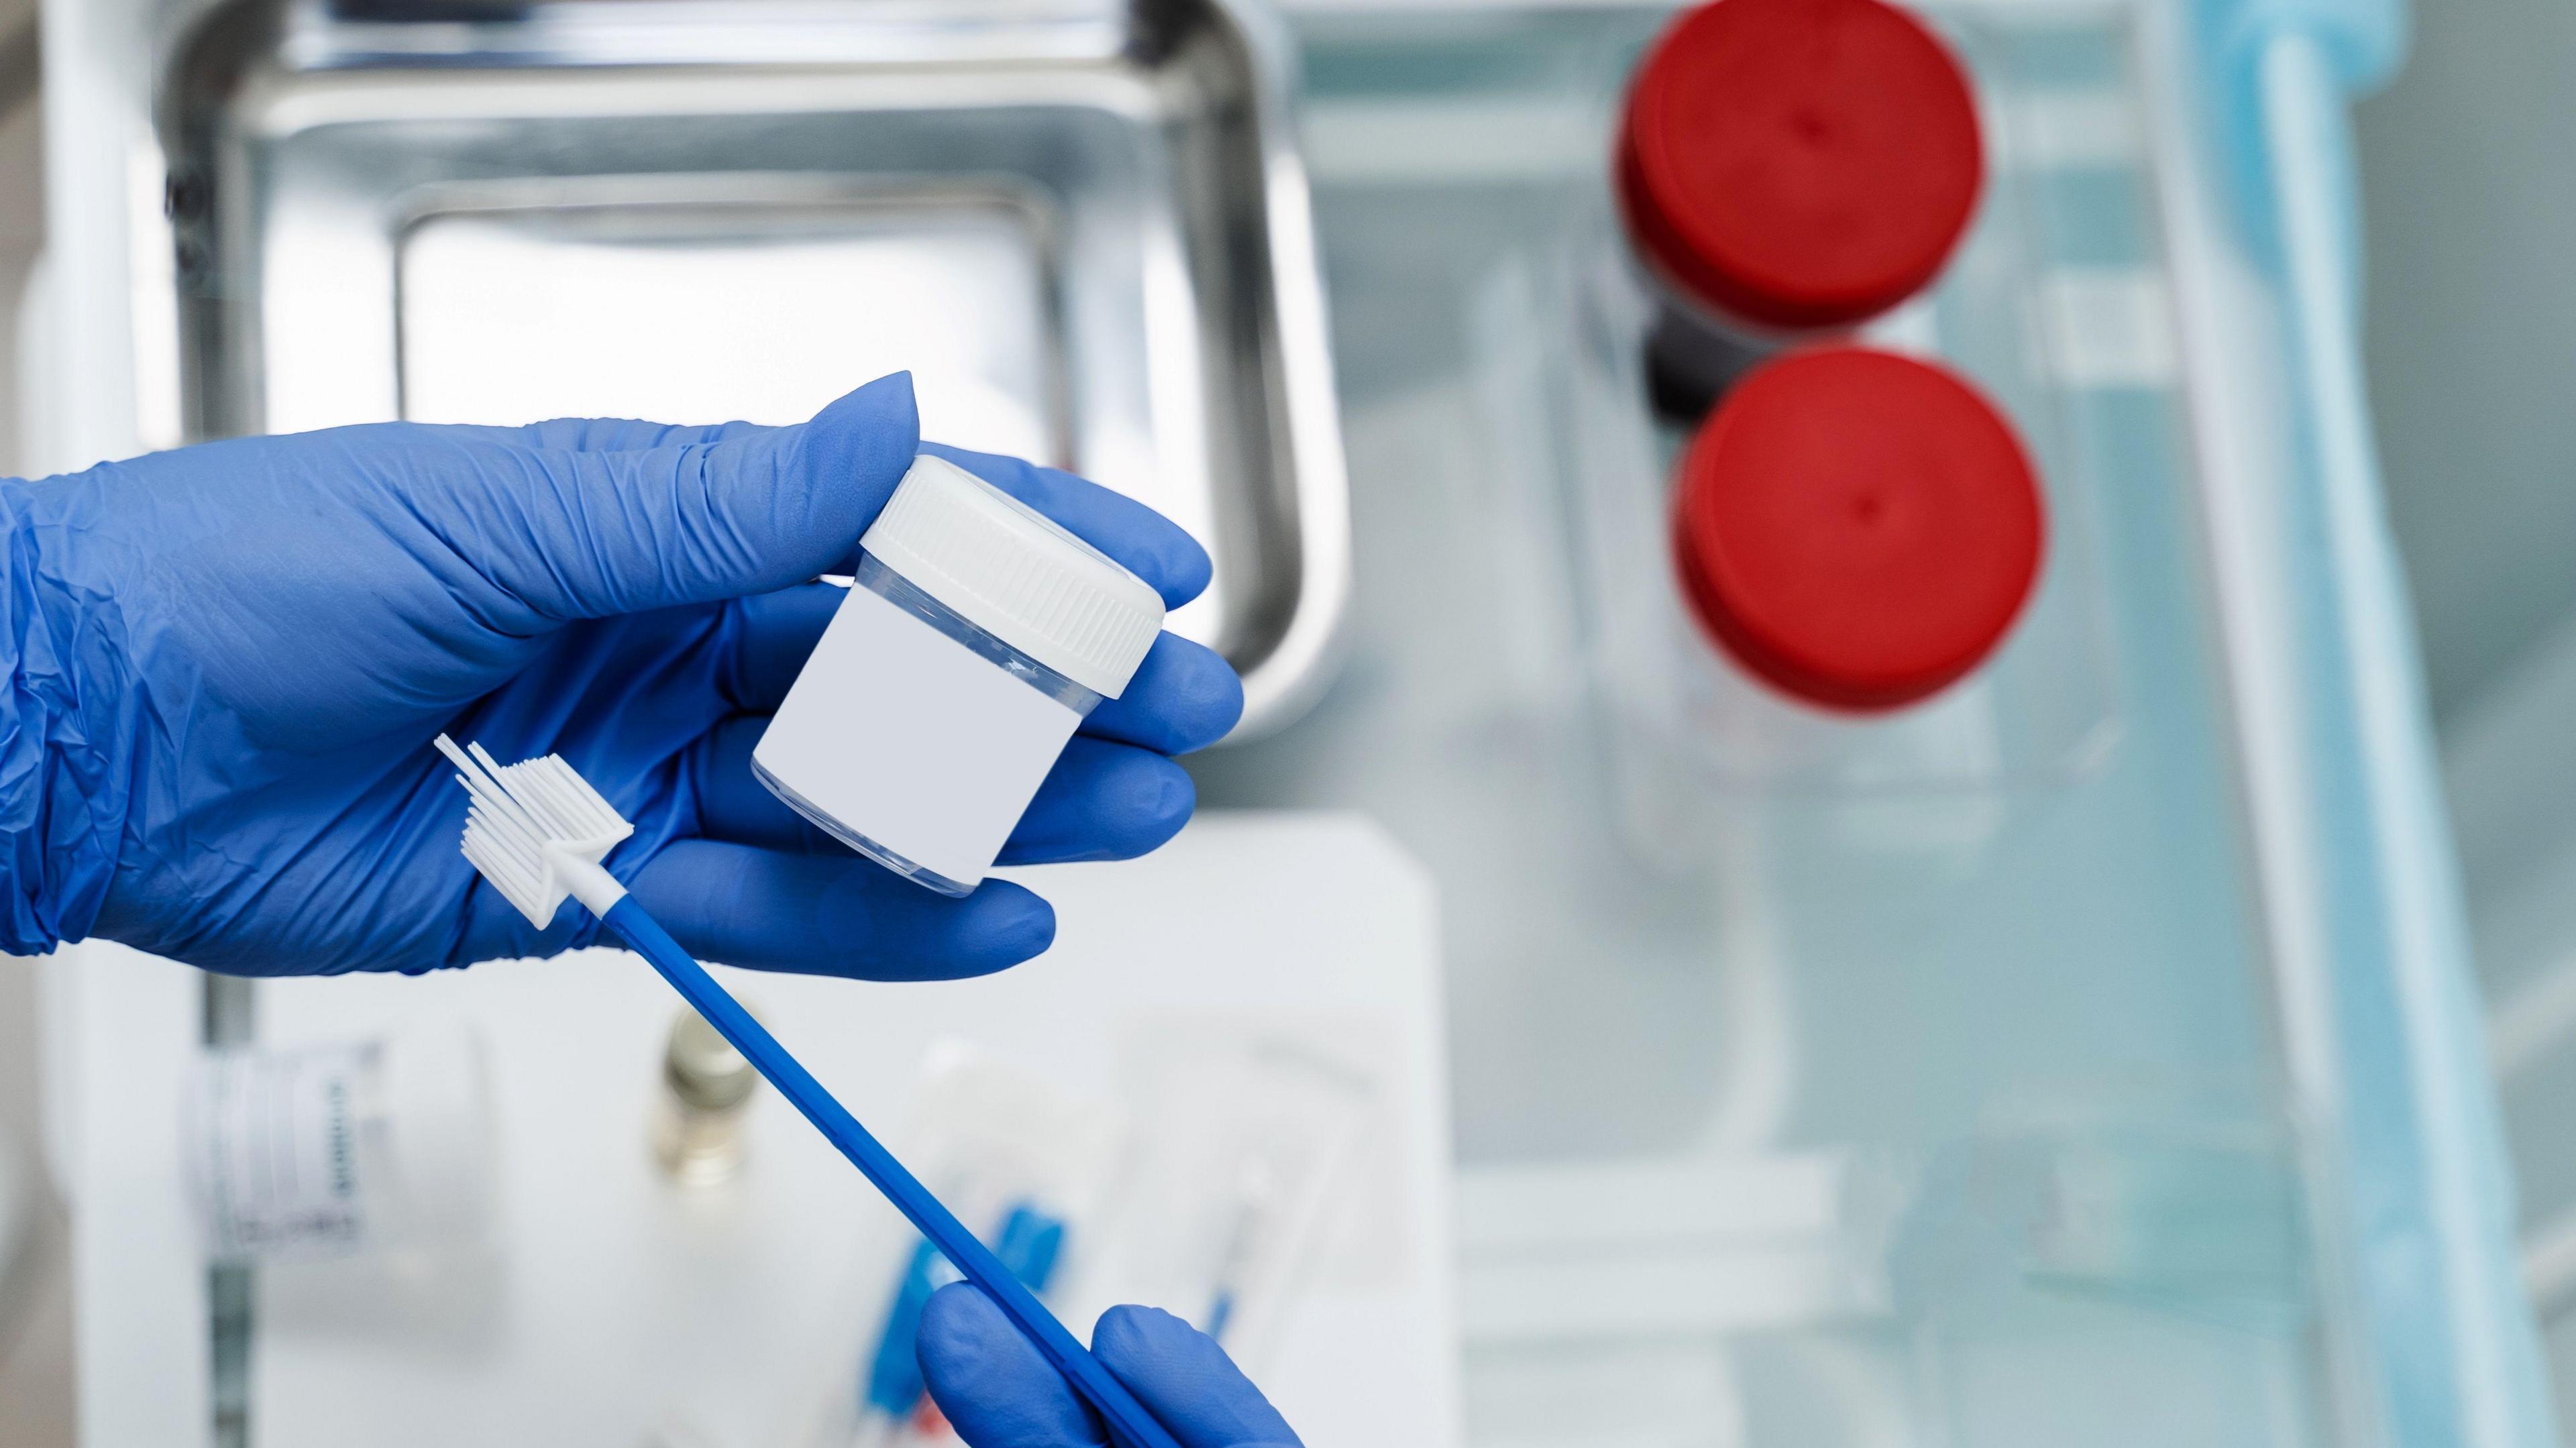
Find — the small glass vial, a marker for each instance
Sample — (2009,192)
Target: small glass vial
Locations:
(706,1089)
(975,638)
(1787,170)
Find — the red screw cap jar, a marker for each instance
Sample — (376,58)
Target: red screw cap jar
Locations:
(1794,166)
(1858,529)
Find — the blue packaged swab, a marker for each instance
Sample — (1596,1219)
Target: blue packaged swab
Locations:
(537,831)
(1028,1243)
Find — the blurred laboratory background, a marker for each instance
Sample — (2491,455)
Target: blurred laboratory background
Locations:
(2471,340)
(2178,1274)
(35,1274)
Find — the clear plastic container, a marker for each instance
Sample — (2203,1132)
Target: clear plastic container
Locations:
(2040,710)
(341,1149)
(976,637)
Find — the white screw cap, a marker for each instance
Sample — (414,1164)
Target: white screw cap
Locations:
(1011,571)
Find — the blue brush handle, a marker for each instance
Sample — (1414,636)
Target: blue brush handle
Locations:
(1126,1417)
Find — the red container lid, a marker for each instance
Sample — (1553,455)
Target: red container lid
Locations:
(1799,164)
(1860,529)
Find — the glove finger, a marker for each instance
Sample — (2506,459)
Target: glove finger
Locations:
(1138,537)
(619,434)
(599,434)
(567,533)
(777,634)
(1102,801)
(1148,544)
(834,915)
(1186,1381)
(995,1388)
(1184,696)
(732,802)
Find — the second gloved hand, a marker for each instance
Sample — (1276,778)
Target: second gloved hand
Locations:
(229,661)
(998,1392)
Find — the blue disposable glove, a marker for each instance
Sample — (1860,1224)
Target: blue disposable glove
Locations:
(230,659)
(997,1392)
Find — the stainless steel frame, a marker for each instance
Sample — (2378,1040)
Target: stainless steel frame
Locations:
(1084,217)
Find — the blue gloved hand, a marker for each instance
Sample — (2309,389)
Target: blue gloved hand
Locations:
(230,659)
(998,1392)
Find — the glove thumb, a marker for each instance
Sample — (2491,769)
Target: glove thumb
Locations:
(615,532)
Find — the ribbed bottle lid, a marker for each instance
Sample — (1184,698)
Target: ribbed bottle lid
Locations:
(1858,528)
(1014,573)
(1798,164)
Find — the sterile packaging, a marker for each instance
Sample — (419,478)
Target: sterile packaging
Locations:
(976,636)
(1020,1162)
(339,1149)
(1241,1147)
(2181,1204)
(1210,1188)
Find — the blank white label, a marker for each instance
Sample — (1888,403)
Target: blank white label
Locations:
(276,1148)
(908,737)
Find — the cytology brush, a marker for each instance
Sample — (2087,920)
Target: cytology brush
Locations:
(538,831)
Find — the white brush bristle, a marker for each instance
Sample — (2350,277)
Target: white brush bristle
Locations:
(518,811)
